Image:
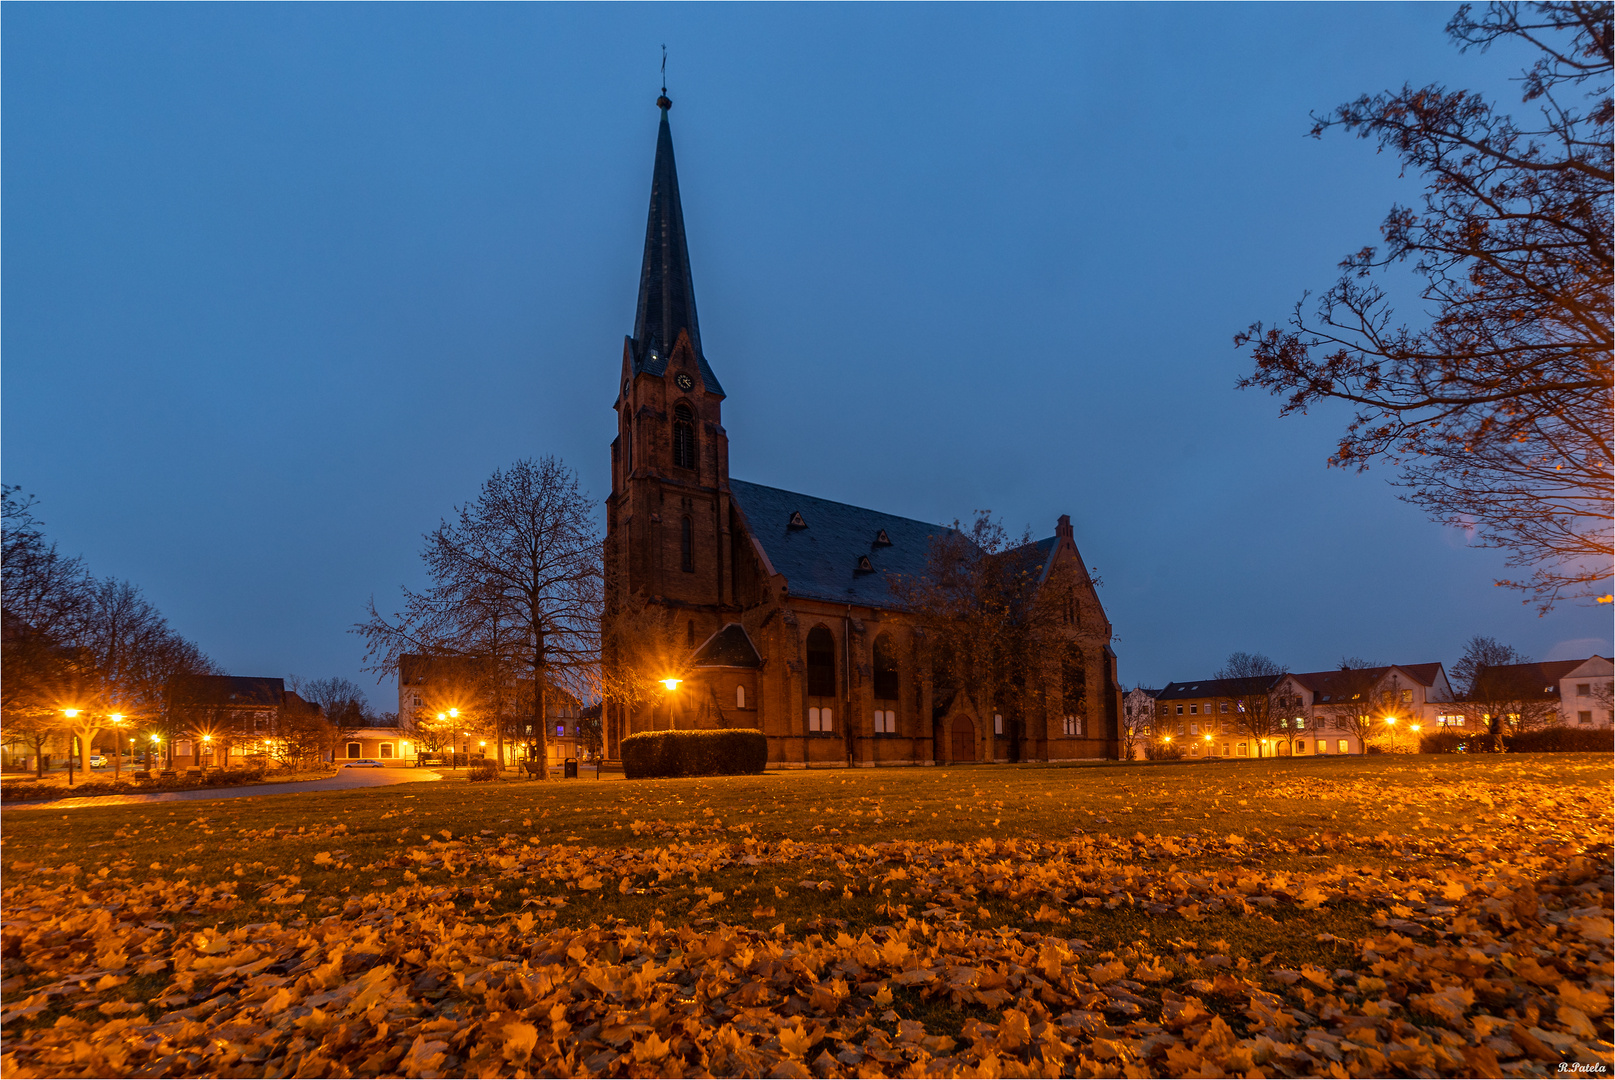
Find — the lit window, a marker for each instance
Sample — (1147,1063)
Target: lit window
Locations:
(998,723)
(560,729)
(740,696)
(1345,747)
(1300,723)
(1407,697)
(820,719)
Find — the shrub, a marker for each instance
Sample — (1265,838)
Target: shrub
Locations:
(1561,740)
(1444,742)
(483,770)
(723,752)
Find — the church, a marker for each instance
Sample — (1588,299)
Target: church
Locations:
(781,603)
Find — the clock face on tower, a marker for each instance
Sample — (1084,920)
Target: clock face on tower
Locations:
(683,381)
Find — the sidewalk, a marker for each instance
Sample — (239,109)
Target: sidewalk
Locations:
(344,780)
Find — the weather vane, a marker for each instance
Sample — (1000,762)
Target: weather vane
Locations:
(663,102)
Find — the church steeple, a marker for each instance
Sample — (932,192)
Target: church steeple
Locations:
(666,290)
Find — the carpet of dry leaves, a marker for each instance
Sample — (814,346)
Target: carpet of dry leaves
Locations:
(720,928)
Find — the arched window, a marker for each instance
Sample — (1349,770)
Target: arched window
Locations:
(354,750)
(627,446)
(689,634)
(1073,691)
(740,696)
(821,679)
(886,686)
(683,437)
(687,546)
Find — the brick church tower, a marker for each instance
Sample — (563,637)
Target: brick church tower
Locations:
(667,521)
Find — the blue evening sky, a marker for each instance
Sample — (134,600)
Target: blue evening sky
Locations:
(284,283)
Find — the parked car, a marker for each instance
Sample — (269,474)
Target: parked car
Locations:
(364,763)
(98,761)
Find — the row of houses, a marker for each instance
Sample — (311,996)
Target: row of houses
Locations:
(1343,711)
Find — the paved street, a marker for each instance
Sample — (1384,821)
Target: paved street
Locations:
(342,781)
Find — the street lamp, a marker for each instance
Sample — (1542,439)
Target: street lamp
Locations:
(672,685)
(156,748)
(71,741)
(117,747)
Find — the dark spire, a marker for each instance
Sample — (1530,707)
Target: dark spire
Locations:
(666,291)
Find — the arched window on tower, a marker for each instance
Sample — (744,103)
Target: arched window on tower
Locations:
(687,546)
(627,447)
(886,686)
(683,437)
(821,679)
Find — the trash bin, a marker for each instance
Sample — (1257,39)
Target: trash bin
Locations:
(571,768)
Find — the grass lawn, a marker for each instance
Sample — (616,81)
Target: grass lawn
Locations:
(1333,916)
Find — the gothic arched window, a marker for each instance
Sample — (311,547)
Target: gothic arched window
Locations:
(821,679)
(627,446)
(683,437)
(687,545)
(886,686)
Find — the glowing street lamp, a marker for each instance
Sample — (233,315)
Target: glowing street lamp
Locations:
(70,713)
(671,684)
(117,747)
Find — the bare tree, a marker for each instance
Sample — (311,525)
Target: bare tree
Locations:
(341,702)
(1253,684)
(1498,411)
(1502,688)
(980,598)
(1138,720)
(516,580)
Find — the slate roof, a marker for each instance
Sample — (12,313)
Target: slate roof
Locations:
(666,288)
(820,561)
(1214,688)
(1540,679)
(227,690)
(1340,686)
(729,647)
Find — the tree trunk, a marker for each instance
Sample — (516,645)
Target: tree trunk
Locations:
(540,717)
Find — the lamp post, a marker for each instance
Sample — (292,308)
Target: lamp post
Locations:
(117,746)
(672,685)
(207,745)
(72,744)
(1208,746)
(156,748)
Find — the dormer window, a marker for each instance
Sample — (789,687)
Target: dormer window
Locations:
(683,437)
(882,540)
(864,565)
(797,521)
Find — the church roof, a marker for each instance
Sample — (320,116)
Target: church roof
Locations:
(666,289)
(822,558)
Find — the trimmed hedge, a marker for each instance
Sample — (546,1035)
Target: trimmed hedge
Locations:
(22,790)
(1549,740)
(1561,740)
(723,752)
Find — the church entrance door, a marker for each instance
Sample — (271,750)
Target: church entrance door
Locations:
(964,739)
